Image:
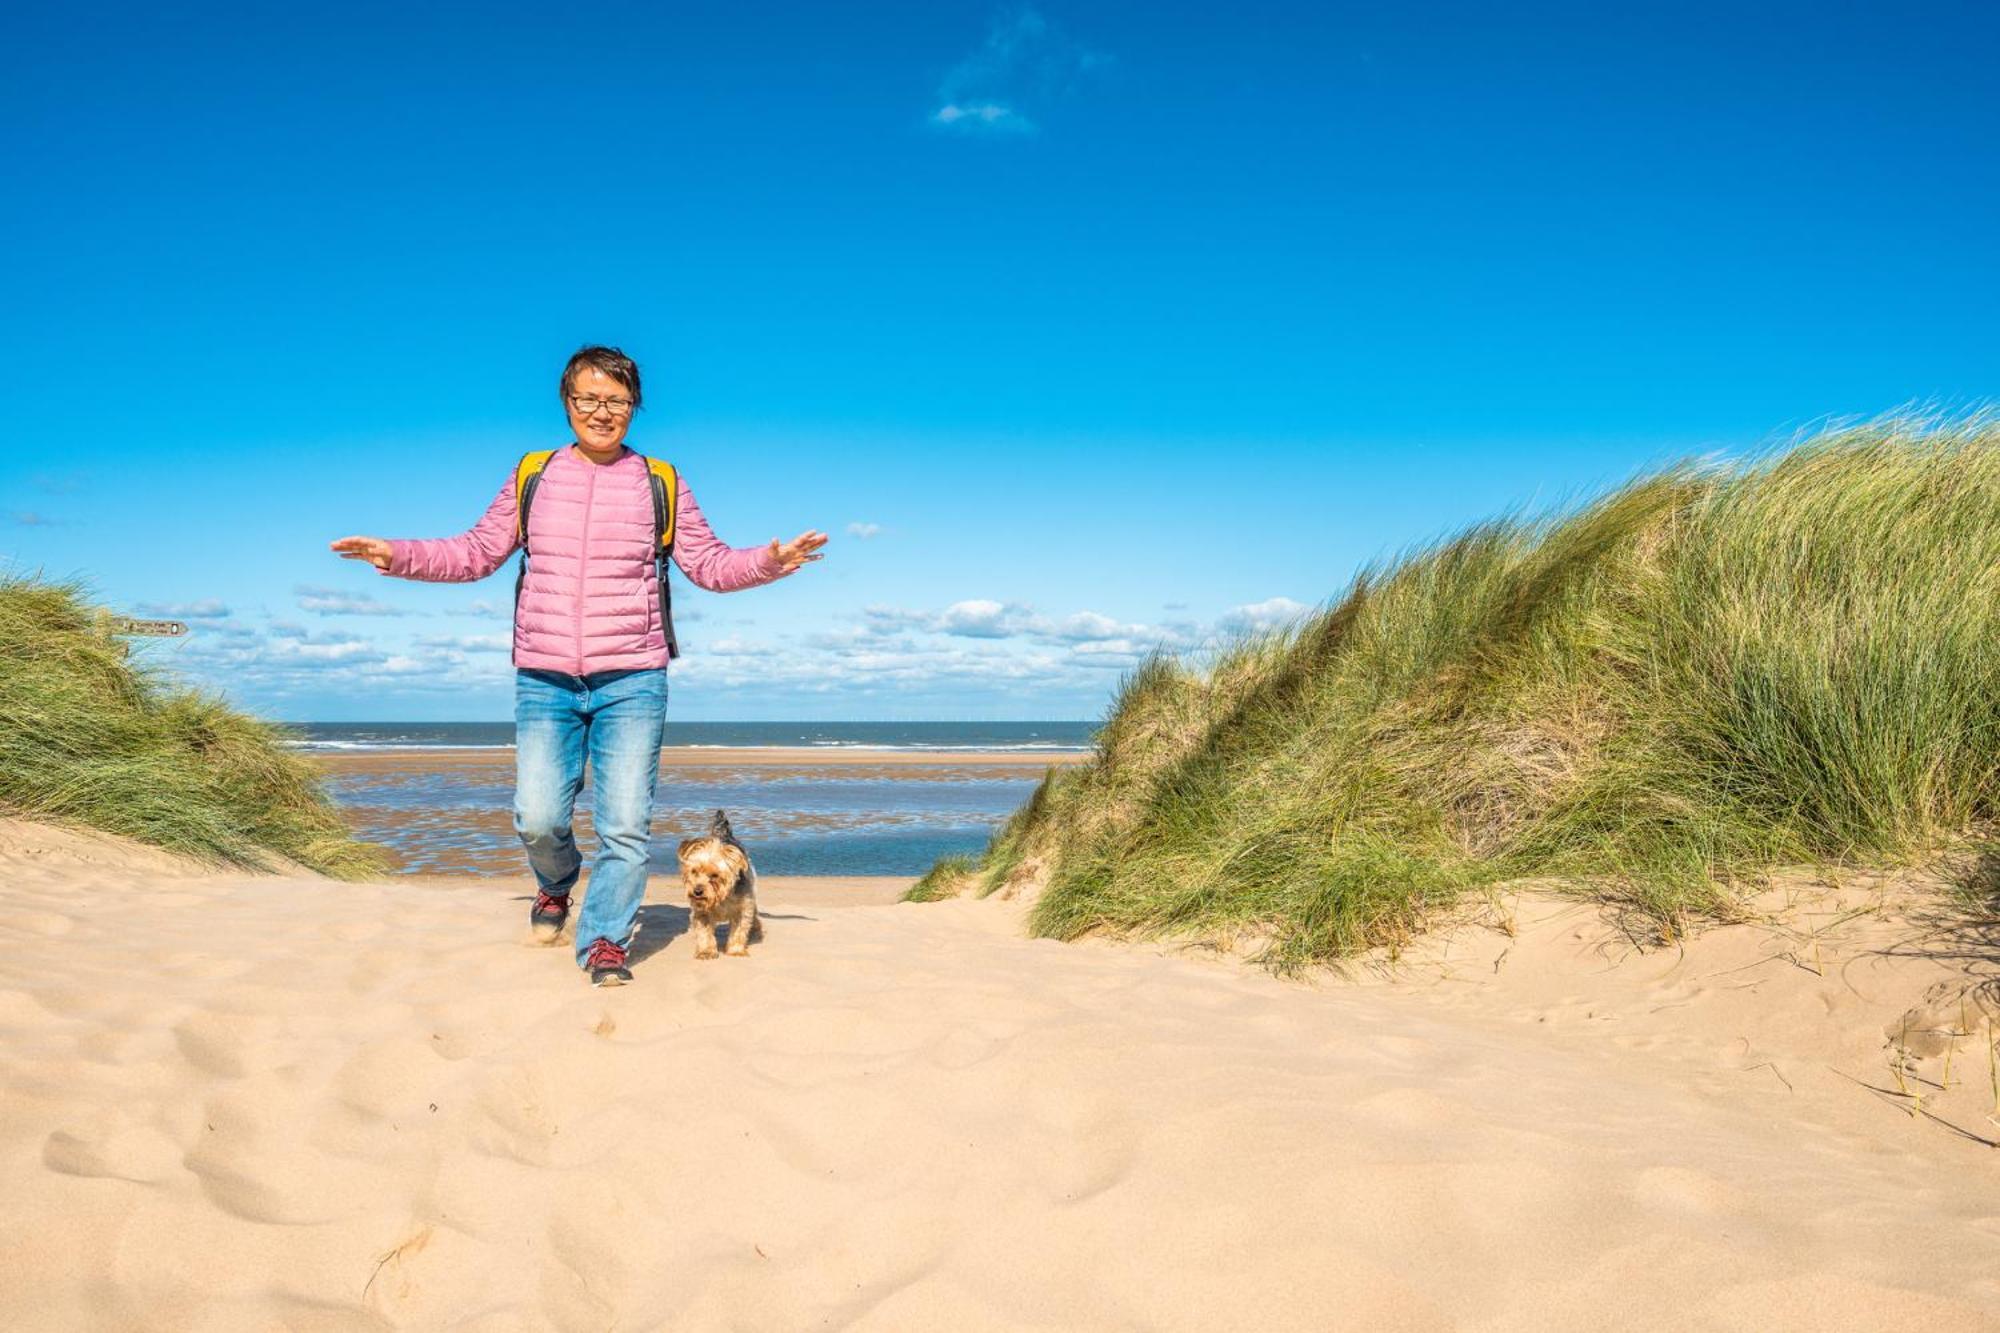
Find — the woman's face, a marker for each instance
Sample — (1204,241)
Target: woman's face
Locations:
(600,431)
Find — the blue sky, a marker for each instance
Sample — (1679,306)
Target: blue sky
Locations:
(1082,326)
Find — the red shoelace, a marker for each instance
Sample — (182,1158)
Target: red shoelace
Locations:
(605,954)
(546,901)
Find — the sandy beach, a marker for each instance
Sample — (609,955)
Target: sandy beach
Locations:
(236,1101)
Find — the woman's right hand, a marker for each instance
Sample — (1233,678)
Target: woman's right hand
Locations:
(372,549)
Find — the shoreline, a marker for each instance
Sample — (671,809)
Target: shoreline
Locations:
(1009,763)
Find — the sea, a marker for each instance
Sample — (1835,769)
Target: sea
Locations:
(441,797)
(949,736)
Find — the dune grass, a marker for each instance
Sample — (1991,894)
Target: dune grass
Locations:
(91,736)
(1653,698)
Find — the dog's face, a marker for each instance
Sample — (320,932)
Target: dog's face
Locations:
(710,869)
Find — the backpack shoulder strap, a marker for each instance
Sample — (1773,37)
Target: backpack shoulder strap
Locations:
(666,487)
(666,500)
(527,475)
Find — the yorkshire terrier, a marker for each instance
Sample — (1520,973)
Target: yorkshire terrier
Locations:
(722,890)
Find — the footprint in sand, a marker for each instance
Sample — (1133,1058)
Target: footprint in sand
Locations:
(257,1165)
(1949,1016)
(558,1117)
(117,1149)
(229,1045)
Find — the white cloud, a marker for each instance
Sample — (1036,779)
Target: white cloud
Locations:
(986,115)
(971,651)
(1259,617)
(1116,653)
(864,530)
(975,618)
(337,602)
(1085,638)
(980,619)
(286,658)
(404,665)
(862,668)
(1089,626)
(1025,65)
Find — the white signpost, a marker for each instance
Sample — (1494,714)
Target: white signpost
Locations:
(152,629)
(113,625)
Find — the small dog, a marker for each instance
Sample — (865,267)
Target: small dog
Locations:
(721,888)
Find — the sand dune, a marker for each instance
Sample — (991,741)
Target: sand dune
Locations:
(239,1102)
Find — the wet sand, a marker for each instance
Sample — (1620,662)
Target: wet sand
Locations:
(449,811)
(801,759)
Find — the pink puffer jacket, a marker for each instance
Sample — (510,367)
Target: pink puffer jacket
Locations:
(591,601)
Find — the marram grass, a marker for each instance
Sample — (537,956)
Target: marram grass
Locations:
(1704,674)
(90,736)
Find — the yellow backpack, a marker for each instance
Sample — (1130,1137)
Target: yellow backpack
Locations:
(666,497)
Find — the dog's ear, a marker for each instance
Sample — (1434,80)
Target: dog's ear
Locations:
(688,845)
(738,859)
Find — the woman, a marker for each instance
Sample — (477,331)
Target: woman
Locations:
(592,640)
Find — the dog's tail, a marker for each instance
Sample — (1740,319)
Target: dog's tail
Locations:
(718,827)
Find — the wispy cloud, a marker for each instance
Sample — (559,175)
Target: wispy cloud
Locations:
(1025,66)
(468,643)
(1088,639)
(1088,636)
(982,115)
(338,602)
(864,531)
(208,608)
(30,518)
(287,657)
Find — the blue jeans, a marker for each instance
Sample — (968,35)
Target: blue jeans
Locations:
(614,719)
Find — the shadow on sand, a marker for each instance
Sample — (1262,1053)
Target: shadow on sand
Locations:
(660,924)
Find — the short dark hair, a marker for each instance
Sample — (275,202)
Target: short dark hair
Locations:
(611,361)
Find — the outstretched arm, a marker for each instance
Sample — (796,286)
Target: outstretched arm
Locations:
(470,555)
(709,563)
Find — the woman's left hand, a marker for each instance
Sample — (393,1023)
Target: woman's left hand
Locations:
(799,552)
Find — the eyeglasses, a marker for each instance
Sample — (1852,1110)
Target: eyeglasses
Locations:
(588,406)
